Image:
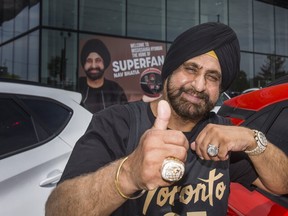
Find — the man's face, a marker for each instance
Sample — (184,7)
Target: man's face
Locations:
(193,88)
(94,66)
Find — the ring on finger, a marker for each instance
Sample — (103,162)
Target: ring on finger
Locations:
(212,150)
(172,169)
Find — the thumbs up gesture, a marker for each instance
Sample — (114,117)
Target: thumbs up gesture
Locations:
(156,144)
(163,115)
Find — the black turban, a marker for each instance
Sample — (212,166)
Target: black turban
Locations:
(95,45)
(201,39)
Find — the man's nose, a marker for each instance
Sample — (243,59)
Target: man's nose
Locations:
(94,64)
(199,83)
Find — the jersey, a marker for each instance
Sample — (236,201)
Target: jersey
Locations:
(114,133)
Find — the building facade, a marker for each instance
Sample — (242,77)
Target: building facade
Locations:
(41,40)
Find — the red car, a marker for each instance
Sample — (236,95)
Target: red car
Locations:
(265,110)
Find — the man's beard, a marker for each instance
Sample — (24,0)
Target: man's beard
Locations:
(94,76)
(184,108)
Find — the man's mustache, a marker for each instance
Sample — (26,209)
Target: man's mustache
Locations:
(193,91)
(96,68)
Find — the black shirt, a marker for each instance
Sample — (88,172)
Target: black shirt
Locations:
(96,99)
(114,133)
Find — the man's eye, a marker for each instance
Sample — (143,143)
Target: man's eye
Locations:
(213,78)
(98,60)
(190,69)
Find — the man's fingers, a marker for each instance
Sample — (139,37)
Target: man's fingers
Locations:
(163,115)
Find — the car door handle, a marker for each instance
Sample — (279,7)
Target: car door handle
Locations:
(52,179)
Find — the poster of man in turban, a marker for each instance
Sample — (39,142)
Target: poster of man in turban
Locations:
(98,92)
(111,70)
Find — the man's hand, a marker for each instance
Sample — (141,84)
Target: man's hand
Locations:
(225,138)
(143,167)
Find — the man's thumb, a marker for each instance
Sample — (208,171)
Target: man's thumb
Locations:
(163,115)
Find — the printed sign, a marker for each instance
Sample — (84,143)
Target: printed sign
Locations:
(129,59)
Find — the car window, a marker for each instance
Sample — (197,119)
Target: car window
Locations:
(16,128)
(221,99)
(277,128)
(260,120)
(52,115)
(28,121)
(278,131)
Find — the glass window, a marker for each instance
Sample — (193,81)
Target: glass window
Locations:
(181,15)
(61,14)
(264,70)
(8,21)
(263,27)
(50,114)
(1,32)
(281,28)
(16,127)
(247,68)
(17,17)
(34,16)
(103,16)
(269,67)
(146,19)
(25,126)
(285,64)
(246,75)
(223,97)
(21,19)
(213,11)
(281,66)
(7,60)
(33,56)
(59,59)
(20,59)
(240,20)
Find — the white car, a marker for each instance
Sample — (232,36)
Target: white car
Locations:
(38,128)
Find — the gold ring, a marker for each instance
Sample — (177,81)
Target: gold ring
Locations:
(172,169)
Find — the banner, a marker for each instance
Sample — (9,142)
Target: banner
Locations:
(129,60)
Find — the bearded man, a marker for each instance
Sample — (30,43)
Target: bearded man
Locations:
(171,156)
(98,92)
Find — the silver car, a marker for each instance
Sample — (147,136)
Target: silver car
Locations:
(38,128)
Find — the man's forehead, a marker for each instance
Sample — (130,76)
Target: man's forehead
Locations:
(94,55)
(204,58)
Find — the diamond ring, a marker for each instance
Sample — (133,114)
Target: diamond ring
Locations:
(172,169)
(212,150)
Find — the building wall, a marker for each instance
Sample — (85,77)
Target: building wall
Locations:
(41,40)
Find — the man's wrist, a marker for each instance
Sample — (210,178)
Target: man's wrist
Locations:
(261,144)
(119,188)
